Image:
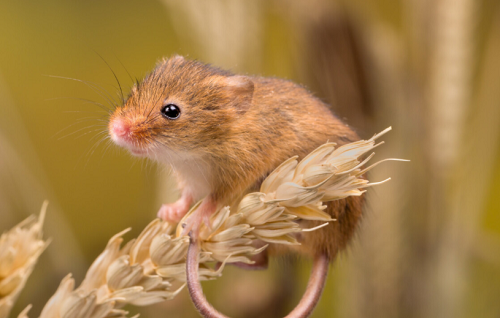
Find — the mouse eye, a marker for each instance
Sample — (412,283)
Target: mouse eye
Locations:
(171,111)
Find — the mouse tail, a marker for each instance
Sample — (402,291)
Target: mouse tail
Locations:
(315,286)
(193,283)
(304,309)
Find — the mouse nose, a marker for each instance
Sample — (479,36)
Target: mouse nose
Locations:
(119,128)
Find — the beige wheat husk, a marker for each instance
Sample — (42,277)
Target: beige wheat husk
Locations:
(151,268)
(20,248)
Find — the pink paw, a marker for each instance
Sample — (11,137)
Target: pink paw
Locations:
(173,212)
(199,217)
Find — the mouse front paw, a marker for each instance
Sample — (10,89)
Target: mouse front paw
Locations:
(173,212)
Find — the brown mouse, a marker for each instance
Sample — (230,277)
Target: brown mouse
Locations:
(224,133)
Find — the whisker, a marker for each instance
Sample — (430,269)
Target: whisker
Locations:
(116,78)
(159,97)
(76,123)
(83,112)
(107,147)
(87,101)
(96,88)
(130,76)
(88,132)
(103,132)
(94,147)
(149,120)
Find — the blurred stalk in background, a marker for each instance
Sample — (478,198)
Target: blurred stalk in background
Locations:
(430,242)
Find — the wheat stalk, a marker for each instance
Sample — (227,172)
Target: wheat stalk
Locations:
(151,268)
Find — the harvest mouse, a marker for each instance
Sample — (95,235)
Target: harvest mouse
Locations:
(224,133)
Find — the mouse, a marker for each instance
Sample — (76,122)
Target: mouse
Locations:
(223,133)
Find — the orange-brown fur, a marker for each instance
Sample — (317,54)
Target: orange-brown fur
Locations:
(241,130)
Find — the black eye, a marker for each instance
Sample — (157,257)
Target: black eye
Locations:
(171,111)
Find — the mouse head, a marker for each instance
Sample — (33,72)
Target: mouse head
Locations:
(182,105)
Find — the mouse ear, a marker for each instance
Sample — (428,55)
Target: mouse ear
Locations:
(240,89)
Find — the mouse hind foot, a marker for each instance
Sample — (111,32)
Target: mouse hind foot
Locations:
(201,216)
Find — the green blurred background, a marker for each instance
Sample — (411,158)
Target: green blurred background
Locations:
(430,243)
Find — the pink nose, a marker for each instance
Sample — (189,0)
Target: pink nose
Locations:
(119,128)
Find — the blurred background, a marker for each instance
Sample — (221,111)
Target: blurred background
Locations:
(429,245)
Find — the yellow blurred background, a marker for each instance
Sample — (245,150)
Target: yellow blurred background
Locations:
(430,242)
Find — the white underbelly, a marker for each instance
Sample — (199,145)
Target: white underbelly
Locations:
(191,171)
